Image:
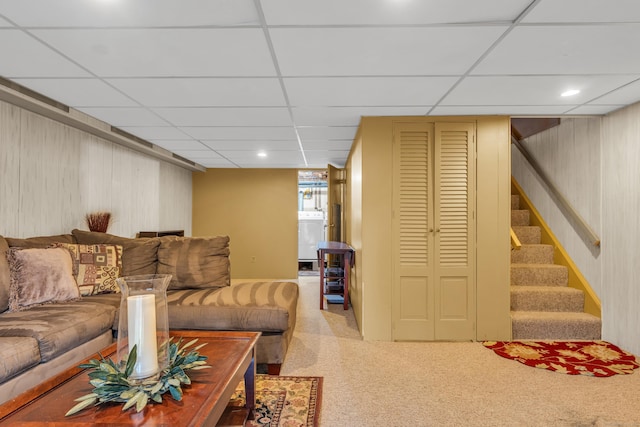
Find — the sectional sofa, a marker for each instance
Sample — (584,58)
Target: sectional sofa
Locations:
(59,302)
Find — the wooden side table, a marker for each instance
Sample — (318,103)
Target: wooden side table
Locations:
(348,257)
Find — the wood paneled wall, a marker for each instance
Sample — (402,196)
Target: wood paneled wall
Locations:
(570,155)
(51,175)
(621,228)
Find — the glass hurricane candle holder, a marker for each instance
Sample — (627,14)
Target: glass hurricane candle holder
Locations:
(144,322)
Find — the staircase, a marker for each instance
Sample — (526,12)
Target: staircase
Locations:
(542,305)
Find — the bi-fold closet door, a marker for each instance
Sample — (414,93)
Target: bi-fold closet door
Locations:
(433,291)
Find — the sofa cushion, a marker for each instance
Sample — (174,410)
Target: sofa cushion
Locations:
(96,267)
(40,276)
(252,306)
(17,354)
(4,275)
(195,262)
(58,327)
(40,242)
(139,256)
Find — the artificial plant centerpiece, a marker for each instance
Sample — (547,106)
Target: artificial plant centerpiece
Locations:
(112,381)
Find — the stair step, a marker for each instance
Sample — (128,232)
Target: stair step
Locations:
(539,274)
(520,217)
(533,254)
(515,201)
(546,298)
(527,234)
(540,325)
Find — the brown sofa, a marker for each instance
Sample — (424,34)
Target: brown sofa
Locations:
(38,341)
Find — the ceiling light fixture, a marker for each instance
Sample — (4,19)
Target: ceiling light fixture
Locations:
(262,154)
(570,92)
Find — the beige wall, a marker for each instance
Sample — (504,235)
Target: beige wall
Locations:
(353,225)
(51,175)
(258,210)
(370,184)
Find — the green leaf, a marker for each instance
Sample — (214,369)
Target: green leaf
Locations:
(176,393)
(142,402)
(131,361)
(80,406)
(128,394)
(157,398)
(133,400)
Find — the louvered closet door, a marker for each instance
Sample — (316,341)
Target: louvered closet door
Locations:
(433,227)
(455,309)
(413,245)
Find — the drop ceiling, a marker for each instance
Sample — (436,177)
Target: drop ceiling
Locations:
(217,81)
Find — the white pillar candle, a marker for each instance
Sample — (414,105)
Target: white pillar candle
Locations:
(141,312)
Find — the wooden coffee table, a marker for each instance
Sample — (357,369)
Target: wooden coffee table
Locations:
(231,356)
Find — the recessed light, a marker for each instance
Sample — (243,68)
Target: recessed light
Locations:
(570,92)
(262,154)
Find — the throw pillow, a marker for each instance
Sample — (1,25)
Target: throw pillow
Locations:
(195,262)
(96,267)
(4,275)
(40,276)
(139,256)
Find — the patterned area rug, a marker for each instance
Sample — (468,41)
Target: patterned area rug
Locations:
(284,401)
(592,358)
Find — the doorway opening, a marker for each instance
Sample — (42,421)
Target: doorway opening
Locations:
(312,218)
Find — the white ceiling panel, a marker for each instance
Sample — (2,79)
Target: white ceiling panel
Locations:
(327,132)
(203,92)
(35,59)
(155,132)
(385,12)
(531,90)
(199,154)
(629,94)
(229,116)
(251,145)
(380,51)
(505,110)
(5,23)
(327,145)
(79,93)
(585,11)
(165,52)
(366,91)
(240,132)
(83,13)
(594,110)
(125,116)
(601,49)
(348,116)
(321,159)
(179,145)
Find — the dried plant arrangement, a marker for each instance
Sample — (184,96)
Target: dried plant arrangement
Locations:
(98,221)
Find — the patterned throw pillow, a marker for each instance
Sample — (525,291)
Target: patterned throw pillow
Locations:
(96,267)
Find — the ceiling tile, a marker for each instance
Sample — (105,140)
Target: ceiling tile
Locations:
(349,116)
(5,23)
(333,145)
(503,110)
(229,116)
(254,146)
(628,94)
(318,159)
(179,144)
(384,12)
(118,116)
(531,90)
(380,51)
(585,11)
(203,92)
(327,132)
(155,132)
(594,109)
(165,52)
(23,56)
(602,49)
(366,91)
(79,93)
(199,154)
(83,13)
(240,133)
(252,159)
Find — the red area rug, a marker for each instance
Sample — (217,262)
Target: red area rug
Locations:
(592,358)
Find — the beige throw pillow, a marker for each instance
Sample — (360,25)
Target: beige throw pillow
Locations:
(195,262)
(40,276)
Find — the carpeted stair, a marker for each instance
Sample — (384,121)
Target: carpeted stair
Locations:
(542,305)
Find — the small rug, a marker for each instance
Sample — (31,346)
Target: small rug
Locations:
(284,401)
(592,358)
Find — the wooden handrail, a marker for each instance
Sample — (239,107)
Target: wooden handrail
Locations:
(515,242)
(579,224)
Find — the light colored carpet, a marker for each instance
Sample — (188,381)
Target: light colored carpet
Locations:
(371,383)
